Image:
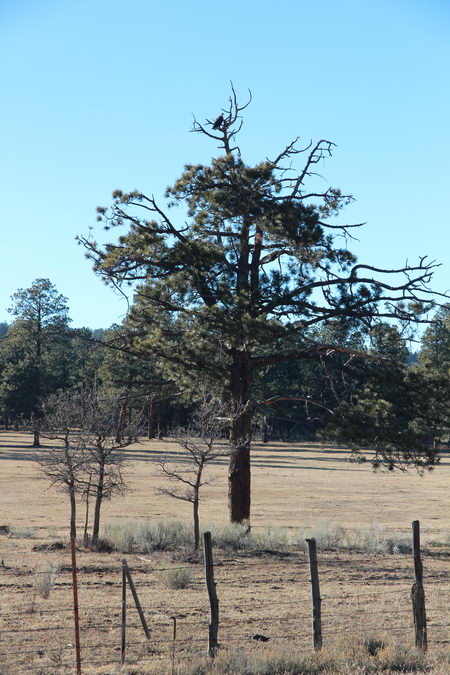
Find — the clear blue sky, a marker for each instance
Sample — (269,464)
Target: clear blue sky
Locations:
(98,95)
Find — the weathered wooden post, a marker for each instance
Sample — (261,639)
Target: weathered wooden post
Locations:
(75,605)
(418,593)
(315,593)
(136,600)
(213,628)
(124,614)
(174,642)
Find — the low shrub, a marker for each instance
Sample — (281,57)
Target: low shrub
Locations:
(399,659)
(328,535)
(376,540)
(176,577)
(166,536)
(44,579)
(270,538)
(144,536)
(234,536)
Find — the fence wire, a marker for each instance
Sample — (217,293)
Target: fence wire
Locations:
(375,610)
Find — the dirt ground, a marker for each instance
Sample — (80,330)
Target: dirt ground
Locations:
(293,485)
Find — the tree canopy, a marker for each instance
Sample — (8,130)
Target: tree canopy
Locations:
(238,281)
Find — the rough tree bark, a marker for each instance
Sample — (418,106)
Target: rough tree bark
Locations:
(239,478)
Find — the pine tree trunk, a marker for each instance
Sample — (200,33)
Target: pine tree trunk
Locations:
(239,479)
(265,434)
(36,431)
(150,418)
(37,385)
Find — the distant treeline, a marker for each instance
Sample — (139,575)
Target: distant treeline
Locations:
(40,354)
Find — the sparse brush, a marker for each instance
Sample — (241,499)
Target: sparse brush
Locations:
(147,537)
(272,662)
(44,579)
(53,532)
(22,532)
(233,536)
(272,538)
(275,661)
(167,536)
(401,659)
(376,540)
(176,577)
(144,536)
(331,536)
(328,535)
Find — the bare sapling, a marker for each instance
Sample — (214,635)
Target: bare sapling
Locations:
(87,459)
(65,462)
(102,444)
(201,442)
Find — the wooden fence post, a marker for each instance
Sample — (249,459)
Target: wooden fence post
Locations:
(213,628)
(124,615)
(174,642)
(418,593)
(75,605)
(315,592)
(136,600)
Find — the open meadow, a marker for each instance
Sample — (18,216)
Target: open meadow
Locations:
(360,519)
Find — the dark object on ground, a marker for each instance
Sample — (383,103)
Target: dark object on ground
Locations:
(5,529)
(55,546)
(260,638)
(373,646)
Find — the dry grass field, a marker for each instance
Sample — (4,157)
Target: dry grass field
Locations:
(366,594)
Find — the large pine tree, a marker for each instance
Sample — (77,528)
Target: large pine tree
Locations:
(237,284)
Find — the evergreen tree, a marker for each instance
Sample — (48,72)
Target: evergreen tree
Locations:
(434,364)
(237,286)
(32,350)
(401,411)
(435,347)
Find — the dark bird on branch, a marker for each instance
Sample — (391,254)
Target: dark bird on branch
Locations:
(218,123)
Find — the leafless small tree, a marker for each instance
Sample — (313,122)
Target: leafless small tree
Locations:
(89,460)
(65,464)
(200,441)
(105,463)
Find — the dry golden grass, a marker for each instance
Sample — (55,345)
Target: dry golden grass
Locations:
(294,485)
